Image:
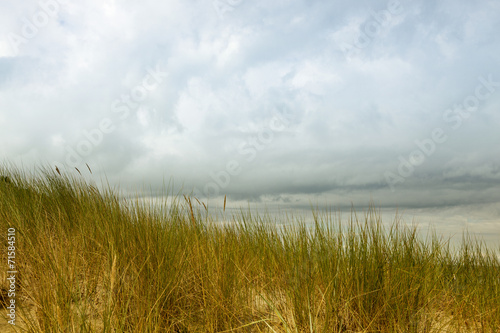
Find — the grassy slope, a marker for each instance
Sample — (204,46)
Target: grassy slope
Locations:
(88,264)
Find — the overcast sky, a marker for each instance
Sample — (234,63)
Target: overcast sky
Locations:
(286,102)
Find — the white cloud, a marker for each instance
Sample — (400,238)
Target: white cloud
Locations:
(349,118)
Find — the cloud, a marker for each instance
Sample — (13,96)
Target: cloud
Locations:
(269,86)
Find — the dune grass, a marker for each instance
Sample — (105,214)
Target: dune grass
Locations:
(89,261)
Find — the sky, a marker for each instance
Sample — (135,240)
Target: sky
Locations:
(286,103)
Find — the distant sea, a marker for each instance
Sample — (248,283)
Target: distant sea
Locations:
(448,223)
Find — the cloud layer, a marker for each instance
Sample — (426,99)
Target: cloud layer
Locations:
(288,102)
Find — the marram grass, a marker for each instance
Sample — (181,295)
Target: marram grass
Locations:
(88,262)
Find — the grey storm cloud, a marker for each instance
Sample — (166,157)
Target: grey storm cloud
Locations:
(283,102)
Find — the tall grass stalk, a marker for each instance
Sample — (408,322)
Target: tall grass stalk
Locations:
(89,261)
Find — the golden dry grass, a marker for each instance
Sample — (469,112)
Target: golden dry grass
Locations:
(90,262)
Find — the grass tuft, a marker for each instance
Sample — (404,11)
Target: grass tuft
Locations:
(90,261)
